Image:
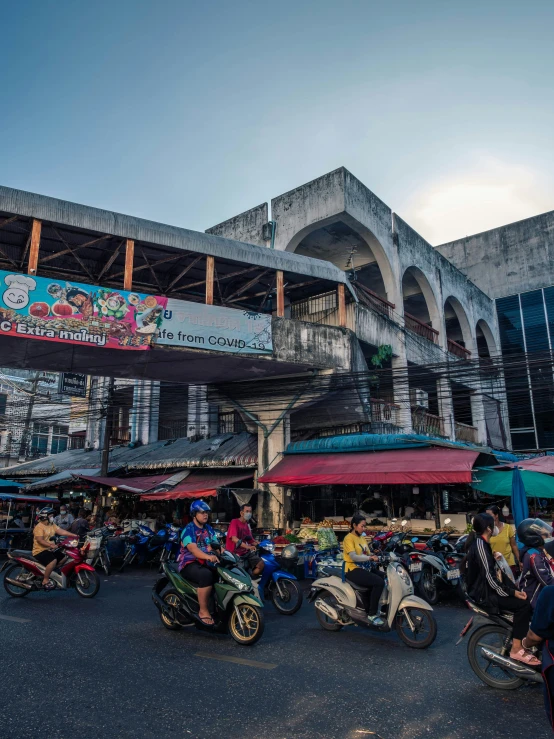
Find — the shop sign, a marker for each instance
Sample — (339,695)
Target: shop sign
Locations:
(214,328)
(73,384)
(75,313)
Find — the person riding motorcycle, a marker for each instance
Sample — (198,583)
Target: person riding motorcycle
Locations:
(356,550)
(196,552)
(44,550)
(538,565)
(487,586)
(239,530)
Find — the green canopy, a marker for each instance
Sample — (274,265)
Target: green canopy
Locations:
(495,482)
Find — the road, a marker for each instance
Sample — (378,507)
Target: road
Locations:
(106,667)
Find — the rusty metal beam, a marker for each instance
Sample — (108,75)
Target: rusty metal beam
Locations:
(342,305)
(35,246)
(223,277)
(247,285)
(151,268)
(8,220)
(267,292)
(184,271)
(110,261)
(280,293)
(73,248)
(75,256)
(210,267)
(149,265)
(129,257)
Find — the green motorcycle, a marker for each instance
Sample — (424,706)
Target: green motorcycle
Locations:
(236,607)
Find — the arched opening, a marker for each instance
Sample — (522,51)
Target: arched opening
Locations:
(420,307)
(486,345)
(458,332)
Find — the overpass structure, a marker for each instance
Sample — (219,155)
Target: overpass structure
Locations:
(340,278)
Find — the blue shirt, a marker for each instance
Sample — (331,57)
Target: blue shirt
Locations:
(193,534)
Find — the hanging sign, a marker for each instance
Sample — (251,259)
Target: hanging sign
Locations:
(73,384)
(214,328)
(75,313)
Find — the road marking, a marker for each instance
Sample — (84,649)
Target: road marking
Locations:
(17,620)
(237,660)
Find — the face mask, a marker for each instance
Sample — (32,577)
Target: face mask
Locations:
(495,531)
(549,539)
(364,533)
(247,516)
(63,513)
(51,519)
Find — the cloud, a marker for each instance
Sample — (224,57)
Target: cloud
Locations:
(485,194)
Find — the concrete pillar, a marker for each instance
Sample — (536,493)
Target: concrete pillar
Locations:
(273,502)
(446,408)
(478,417)
(198,424)
(401,391)
(95,418)
(145,413)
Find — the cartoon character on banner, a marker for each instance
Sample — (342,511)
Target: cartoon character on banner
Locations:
(16,295)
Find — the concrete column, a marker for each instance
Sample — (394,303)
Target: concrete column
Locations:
(273,502)
(145,413)
(446,408)
(198,412)
(95,418)
(401,391)
(478,417)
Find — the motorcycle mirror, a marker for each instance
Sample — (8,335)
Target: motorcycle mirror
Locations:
(404,522)
(416,538)
(447,521)
(393,520)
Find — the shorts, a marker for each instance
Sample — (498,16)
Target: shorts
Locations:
(250,559)
(49,556)
(200,575)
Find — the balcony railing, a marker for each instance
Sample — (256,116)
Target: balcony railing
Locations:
(372,300)
(383,412)
(458,350)
(426,423)
(466,433)
(120,435)
(418,327)
(314,309)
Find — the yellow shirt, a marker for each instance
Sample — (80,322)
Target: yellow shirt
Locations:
(353,543)
(501,543)
(45,530)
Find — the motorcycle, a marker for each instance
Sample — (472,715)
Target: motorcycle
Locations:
(276,584)
(488,651)
(98,555)
(170,547)
(23,573)
(235,606)
(339,603)
(440,568)
(143,546)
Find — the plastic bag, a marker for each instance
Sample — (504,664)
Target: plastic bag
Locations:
(504,566)
(326,538)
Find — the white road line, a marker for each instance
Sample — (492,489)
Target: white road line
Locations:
(237,660)
(17,620)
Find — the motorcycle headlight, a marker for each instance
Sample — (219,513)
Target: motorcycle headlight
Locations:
(403,575)
(235,581)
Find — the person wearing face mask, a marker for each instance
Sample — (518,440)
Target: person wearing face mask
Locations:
(65,519)
(44,550)
(239,530)
(538,566)
(503,540)
(487,586)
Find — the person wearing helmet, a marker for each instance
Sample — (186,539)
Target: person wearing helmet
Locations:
(538,565)
(196,555)
(45,551)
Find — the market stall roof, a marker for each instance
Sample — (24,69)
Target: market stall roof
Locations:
(128,484)
(59,478)
(403,466)
(22,498)
(9,484)
(497,482)
(199,485)
(537,464)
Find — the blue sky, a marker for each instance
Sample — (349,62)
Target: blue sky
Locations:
(190,112)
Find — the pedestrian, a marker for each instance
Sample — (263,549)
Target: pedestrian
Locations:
(80,525)
(64,519)
(504,540)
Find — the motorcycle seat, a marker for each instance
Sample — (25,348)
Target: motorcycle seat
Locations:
(356,587)
(22,553)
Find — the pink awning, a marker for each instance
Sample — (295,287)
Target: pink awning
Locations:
(200,485)
(396,467)
(537,464)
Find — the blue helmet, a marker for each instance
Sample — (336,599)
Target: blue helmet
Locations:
(199,506)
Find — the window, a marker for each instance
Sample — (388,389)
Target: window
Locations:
(3,403)
(59,439)
(39,440)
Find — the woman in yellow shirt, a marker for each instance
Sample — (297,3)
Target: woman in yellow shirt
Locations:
(356,550)
(505,541)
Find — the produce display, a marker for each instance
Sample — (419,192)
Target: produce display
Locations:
(326,538)
(306,534)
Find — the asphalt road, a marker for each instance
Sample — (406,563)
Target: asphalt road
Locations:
(107,667)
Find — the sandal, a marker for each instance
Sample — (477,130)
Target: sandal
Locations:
(527,657)
(206,620)
(49,586)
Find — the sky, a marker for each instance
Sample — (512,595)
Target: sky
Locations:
(191,112)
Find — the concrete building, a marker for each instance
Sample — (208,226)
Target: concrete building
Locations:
(514,264)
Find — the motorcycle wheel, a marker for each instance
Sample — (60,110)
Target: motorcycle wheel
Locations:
(105,562)
(87,583)
(425,628)
(16,572)
(291,600)
(252,626)
(494,638)
(127,559)
(172,599)
(426,587)
(324,621)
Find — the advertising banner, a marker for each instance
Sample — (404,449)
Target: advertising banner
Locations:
(75,313)
(214,328)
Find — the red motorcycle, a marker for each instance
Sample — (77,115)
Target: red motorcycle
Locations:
(23,573)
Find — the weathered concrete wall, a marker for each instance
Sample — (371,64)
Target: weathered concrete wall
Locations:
(247,226)
(321,347)
(511,259)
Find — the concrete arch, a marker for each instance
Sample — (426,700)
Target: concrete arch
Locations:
(374,246)
(435,314)
(488,335)
(465,325)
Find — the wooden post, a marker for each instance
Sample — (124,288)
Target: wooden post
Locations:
(129,259)
(342,306)
(280,293)
(35,246)
(210,268)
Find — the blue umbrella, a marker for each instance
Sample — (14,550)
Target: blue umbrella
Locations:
(520,509)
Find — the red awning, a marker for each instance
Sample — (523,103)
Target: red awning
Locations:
(395,467)
(200,485)
(537,464)
(128,484)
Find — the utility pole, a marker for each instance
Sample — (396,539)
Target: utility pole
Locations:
(28,417)
(107,430)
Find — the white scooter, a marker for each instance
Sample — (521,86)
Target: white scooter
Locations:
(339,603)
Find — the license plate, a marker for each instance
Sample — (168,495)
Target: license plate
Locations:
(453,574)
(416,567)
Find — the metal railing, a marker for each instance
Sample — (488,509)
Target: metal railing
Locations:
(458,350)
(372,300)
(120,435)
(230,423)
(172,430)
(464,432)
(426,423)
(314,309)
(418,327)
(383,412)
